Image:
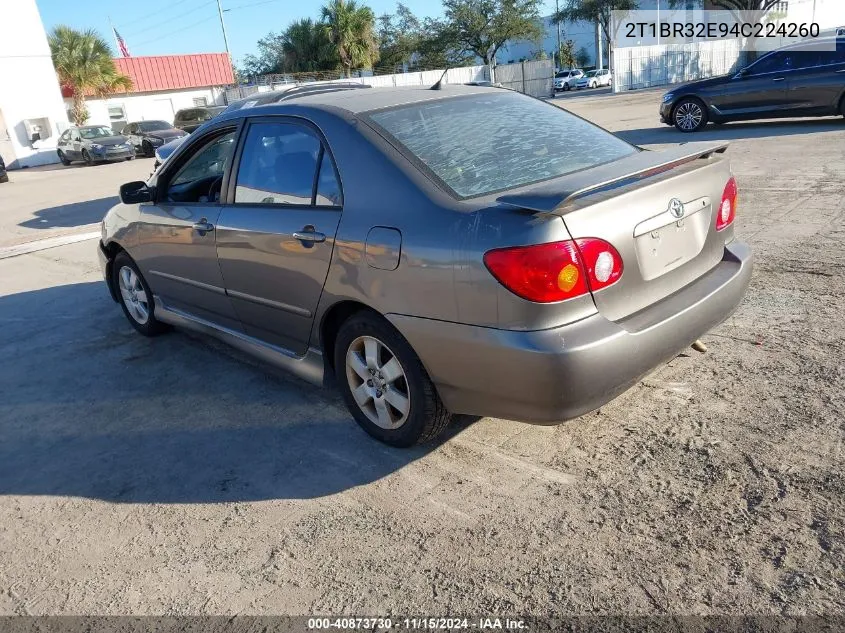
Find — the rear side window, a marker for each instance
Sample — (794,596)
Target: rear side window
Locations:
(491,142)
(278,165)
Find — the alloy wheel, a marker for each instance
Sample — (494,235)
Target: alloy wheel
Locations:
(133,294)
(378,383)
(688,116)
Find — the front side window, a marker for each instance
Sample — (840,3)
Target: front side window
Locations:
(775,62)
(524,140)
(278,165)
(201,177)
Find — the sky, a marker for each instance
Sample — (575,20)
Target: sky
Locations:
(166,27)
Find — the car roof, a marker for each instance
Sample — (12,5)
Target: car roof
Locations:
(357,101)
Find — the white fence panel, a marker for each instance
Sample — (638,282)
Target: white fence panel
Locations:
(640,67)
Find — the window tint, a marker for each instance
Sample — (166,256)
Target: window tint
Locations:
(200,179)
(278,165)
(524,140)
(773,63)
(328,187)
(810,58)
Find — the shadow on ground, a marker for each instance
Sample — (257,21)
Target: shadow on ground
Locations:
(92,409)
(731,131)
(70,215)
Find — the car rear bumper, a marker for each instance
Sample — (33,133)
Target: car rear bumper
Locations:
(549,376)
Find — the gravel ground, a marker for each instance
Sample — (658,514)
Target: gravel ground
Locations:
(173,476)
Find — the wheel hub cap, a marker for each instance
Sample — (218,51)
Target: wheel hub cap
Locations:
(133,294)
(689,116)
(378,382)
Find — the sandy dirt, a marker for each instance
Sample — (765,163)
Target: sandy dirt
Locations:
(173,476)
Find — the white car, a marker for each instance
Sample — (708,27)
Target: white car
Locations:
(565,79)
(594,79)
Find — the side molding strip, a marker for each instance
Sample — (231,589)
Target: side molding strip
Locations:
(309,367)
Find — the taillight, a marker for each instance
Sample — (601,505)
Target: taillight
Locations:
(556,271)
(726,212)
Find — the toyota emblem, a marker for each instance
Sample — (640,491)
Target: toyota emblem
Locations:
(676,208)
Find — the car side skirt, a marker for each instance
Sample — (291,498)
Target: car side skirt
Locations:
(309,367)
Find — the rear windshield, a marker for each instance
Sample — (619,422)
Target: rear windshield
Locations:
(485,143)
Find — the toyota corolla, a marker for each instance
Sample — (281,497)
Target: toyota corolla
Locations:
(373,237)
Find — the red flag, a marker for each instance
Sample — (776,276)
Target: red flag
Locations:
(120,43)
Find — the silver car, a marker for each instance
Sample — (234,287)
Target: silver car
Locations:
(374,238)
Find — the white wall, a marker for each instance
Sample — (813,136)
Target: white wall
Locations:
(148,105)
(28,86)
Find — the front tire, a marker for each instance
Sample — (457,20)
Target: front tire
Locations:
(384,384)
(134,296)
(147,149)
(87,157)
(689,115)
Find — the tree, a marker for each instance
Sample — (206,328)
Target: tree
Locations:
(594,11)
(84,64)
(582,57)
(567,54)
(306,47)
(351,30)
(483,27)
(399,37)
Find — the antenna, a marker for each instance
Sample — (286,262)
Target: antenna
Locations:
(439,84)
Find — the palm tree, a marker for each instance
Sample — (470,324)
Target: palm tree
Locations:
(84,64)
(306,47)
(351,29)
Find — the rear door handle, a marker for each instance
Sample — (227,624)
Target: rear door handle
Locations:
(203,226)
(308,234)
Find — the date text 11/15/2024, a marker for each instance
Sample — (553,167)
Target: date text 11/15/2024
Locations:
(417,624)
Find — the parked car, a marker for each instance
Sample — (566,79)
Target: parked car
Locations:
(565,79)
(92,144)
(146,136)
(4,176)
(162,153)
(190,119)
(794,81)
(376,237)
(594,79)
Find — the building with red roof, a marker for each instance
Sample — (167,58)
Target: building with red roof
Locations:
(161,86)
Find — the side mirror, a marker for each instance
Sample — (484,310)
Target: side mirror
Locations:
(135,192)
(742,73)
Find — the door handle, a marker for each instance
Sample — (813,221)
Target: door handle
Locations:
(778,78)
(308,234)
(203,226)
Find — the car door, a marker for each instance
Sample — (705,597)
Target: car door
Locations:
(75,147)
(758,90)
(276,235)
(176,235)
(818,81)
(130,132)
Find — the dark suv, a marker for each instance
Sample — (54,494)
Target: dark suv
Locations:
(190,119)
(795,81)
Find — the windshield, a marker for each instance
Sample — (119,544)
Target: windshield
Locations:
(95,132)
(484,143)
(151,126)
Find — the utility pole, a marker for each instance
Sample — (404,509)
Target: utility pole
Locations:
(559,49)
(223,27)
(599,52)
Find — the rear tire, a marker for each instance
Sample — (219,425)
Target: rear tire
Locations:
(63,158)
(689,115)
(384,384)
(135,296)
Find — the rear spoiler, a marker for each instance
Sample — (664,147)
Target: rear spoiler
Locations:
(554,197)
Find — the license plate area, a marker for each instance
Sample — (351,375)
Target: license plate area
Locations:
(664,242)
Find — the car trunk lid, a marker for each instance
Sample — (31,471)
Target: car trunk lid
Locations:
(656,208)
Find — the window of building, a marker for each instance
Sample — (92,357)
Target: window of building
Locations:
(200,101)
